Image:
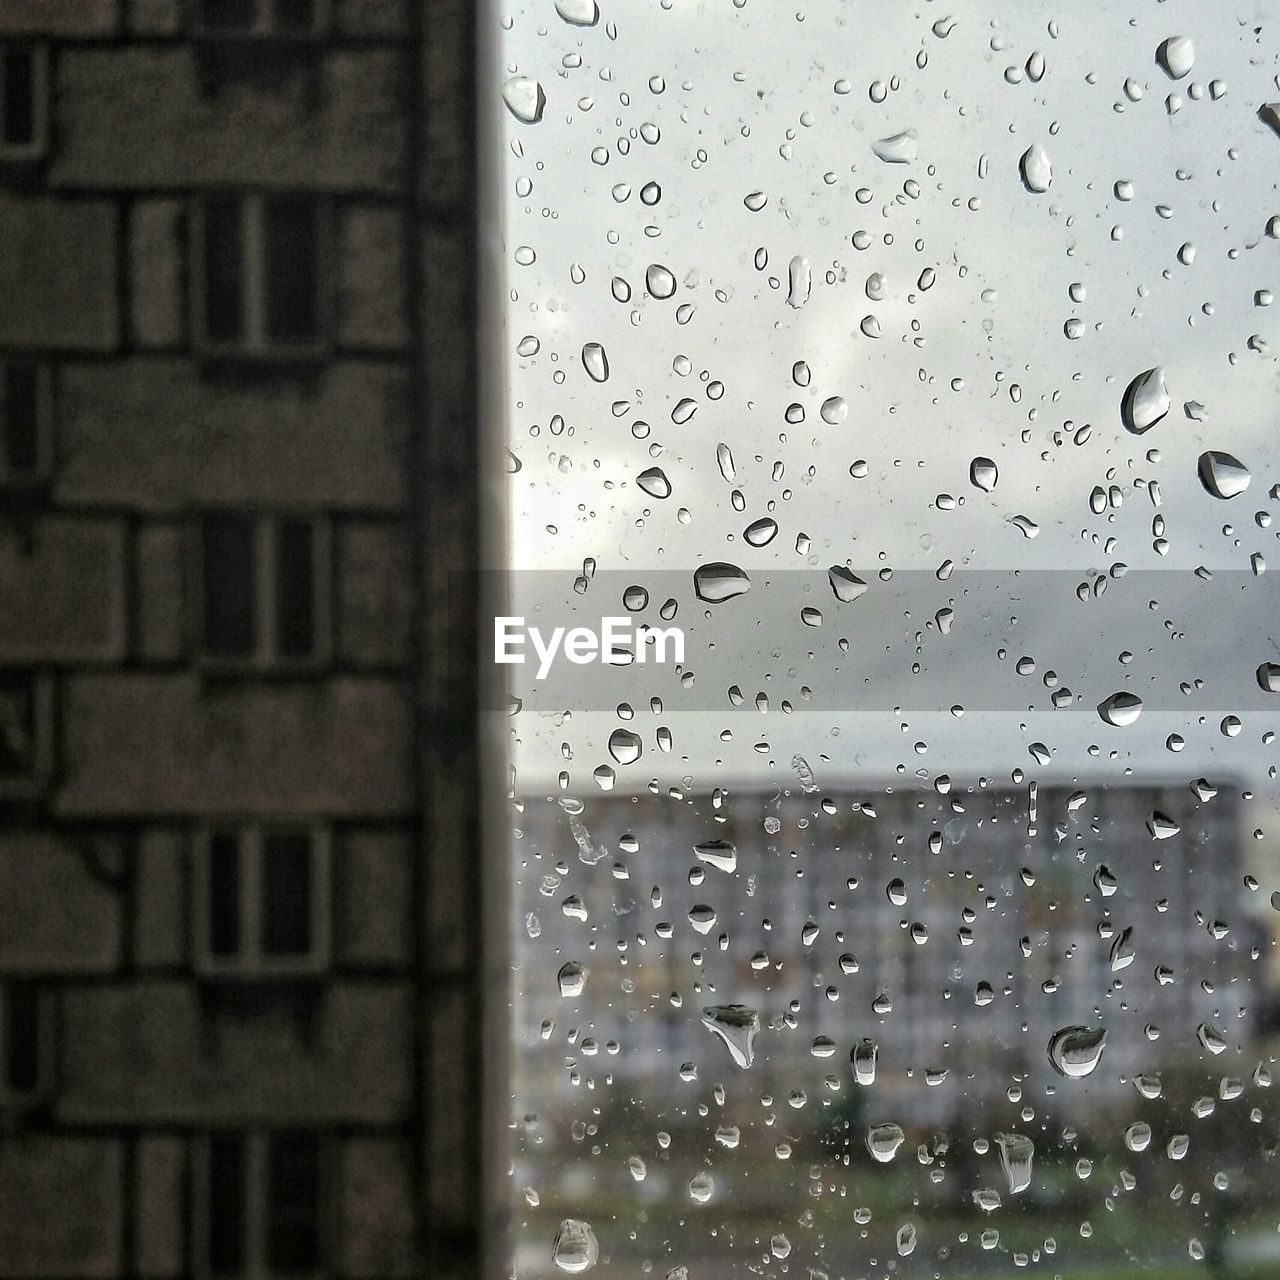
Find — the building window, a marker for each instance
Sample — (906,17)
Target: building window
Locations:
(262,901)
(26,1045)
(26,444)
(24,102)
(259,1205)
(26,732)
(283,19)
(264,589)
(261,288)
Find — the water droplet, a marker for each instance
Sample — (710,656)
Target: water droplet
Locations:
(1025,525)
(1176,55)
(624,746)
(983,474)
(876,288)
(576,1248)
(1076,1051)
(834,410)
(737,1025)
(595,362)
(883,1141)
(1222,474)
(901,148)
(654,482)
(683,411)
(1137,1137)
(718,582)
(724,460)
(1269,677)
(572,978)
(1122,950)
(660,281)
(845,583)
(1161,826)
(525,99)
(702,1187)
(1211,1038)
(863,1058)
(717,853)
(761,532)
(870,326)
(1037,172)
(1016,1153)
(528,346)
(1145,401)
(1120,709)
(799,281)
(755,201)
(906,1239)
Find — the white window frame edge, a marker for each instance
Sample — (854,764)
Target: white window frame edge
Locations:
(249,964)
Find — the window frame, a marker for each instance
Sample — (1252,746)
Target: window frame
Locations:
(256,1197)
(42,706)
(264,655)
(254,345)
(14,1100)
(19,481)
(264,27)
(33,152)
(249,963)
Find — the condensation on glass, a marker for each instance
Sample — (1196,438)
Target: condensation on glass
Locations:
(917,364)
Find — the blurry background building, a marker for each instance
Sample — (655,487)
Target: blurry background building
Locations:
(237,464)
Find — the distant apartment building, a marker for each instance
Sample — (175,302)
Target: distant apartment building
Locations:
(237,460)
(957,932)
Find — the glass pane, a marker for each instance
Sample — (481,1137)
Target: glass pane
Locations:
(286,893)
(227,566)
(21,1036)
(906,907)
(19,112)
(17,725)
(293,1246)
(226,1205)
(223,270)
(224,893)
(292,246)
(295,589)
(20,422)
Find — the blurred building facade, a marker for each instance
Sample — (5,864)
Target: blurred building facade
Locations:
(957,932)
(237,462)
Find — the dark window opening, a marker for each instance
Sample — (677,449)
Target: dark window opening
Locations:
(223,270)
(17,725)
(295,16)
(224,894)
(22,1037)
(19,97)
(293,1193)
(286,894)
(291,239)
(226,1205)
(230,15)
(227,544)
(295,589)
(19,419)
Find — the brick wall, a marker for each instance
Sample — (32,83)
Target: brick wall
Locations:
(225,736)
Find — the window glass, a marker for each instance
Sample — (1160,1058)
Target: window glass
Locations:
(890,641)
(18,744)
(227,1204)
(224,893)
(19,112)
(227,565)
(291,248)
(223,269)
(295,622)
(20,418)
(286,893)
(293,1207)
(22,1039)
